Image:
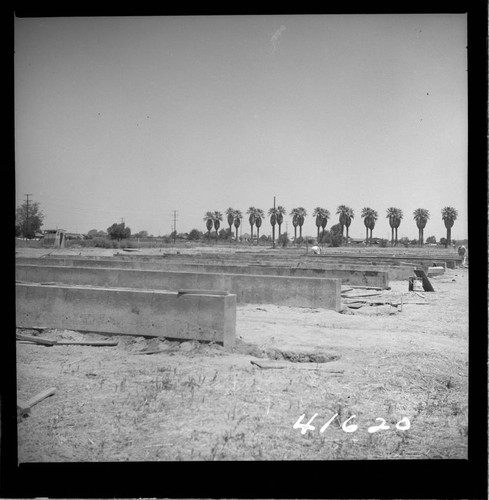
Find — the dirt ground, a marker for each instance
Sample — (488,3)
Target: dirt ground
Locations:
(196,401)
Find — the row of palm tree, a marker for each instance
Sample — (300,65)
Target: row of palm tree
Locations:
(322,215)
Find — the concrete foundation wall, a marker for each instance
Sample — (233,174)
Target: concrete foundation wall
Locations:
(249,289)
(132,312)
(357,277)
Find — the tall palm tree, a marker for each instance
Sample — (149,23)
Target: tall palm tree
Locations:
(397,222)
(252,217)
(280,218)
(302,216)
(230,218)
(369,216)
(421,216)
(273,220)
(350,214)
(449,216)
(342,211)
(394,215)
(237,221)
(260,215)
(209,222)
(324,221)
(322,215)
(294,213)
(298,216)
(318,212)
(217,221)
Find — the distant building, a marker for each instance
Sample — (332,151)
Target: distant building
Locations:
(356,241)
(54,238)
(74,236)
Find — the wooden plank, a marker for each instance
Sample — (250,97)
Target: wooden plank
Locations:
(427,286)
(356,305)
(355,295)
(40,396)
(88,342)
(364,287)
(154,351)
(24,407)
(202,292)
(35,339)
(268,364)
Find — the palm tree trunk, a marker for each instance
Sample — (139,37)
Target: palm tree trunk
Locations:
(279,230)
(366,238)
(300,233)
(346,235)
(396,237)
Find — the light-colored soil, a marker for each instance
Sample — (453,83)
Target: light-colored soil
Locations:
(203,402)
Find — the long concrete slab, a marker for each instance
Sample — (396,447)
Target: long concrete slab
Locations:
(152,313)
(249,289)
(357,277)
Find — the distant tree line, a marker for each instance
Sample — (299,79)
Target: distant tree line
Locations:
(339,233)
(29,220)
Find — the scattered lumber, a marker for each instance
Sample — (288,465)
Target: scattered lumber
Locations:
(36,340)
(154,351)
(427,286)
(202,292)
(365,287)
(355,295)
(105,343)
(24,407)
(268,364)
(420,294)
(356,305)
(48,342)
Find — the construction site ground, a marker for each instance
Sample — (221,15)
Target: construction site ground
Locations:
(398,372)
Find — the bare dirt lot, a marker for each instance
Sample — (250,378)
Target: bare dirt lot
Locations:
(196,401)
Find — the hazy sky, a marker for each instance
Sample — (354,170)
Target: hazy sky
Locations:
(135,117)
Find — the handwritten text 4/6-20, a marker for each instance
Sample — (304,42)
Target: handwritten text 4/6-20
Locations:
(402,425)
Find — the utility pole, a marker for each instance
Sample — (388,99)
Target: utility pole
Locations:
(28,222)
(273,228)
(174,225)
(122,220)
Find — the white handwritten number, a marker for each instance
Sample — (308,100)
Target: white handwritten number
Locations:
(325,426)
(349,428)
(376,428)
(404,424)
(305,427)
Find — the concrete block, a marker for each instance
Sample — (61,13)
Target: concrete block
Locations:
(153,313)
(435,271)
(249,289)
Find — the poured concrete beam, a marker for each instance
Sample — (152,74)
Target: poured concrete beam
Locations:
(153,313)
(249,289)
(357,277)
